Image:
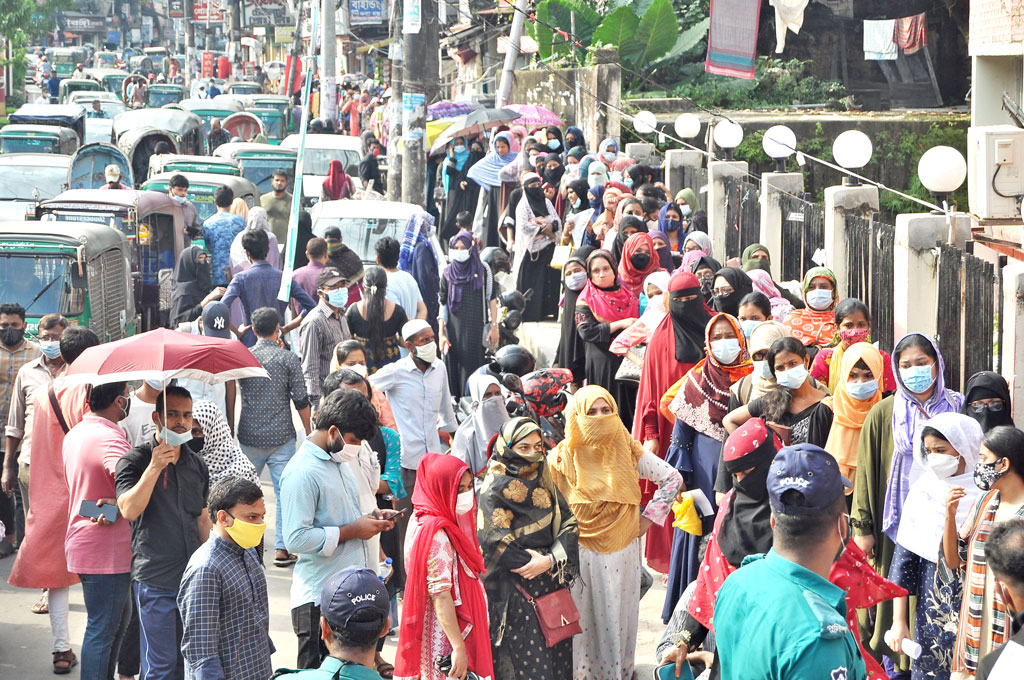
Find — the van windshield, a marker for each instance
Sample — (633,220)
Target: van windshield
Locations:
(362,233)
(316,161)
(40,284)
(20,182)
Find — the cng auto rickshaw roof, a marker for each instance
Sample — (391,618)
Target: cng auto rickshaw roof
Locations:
(95,238)
(210,105)
(56,160)
(54,130)
(220,161)
(237,184)
(171,120)
(232,149)
(145,201)
(58,113)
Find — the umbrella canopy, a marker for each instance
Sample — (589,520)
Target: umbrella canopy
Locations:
(448,110)
(473,123)
(163,354)
(531,115)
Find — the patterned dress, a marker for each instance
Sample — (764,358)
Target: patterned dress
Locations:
(360,328)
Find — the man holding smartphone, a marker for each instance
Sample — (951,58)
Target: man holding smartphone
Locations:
(97,547)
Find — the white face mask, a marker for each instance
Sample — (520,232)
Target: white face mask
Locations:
(427,353)
(793,378)
(358,368)
(576,280)
(460,255)
(942,465)
(348,453)
(464,502)
(726,350)
(761,369)
(819,299)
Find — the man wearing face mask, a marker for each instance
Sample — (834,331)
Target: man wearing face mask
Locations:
(162,486)
(323,523)
(223,597)
(323,329)
(178,191)
(1005,555)
(801,629)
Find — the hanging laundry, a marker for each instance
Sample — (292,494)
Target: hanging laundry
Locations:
(878,40)
(912,33)
(732,43)
(789,14)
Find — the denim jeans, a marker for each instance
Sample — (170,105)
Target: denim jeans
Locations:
(106,606)
(160,632)
(276,460)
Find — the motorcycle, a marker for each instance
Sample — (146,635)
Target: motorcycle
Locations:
(541,396)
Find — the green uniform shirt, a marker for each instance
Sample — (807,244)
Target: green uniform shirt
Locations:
(776,620)
(330,666)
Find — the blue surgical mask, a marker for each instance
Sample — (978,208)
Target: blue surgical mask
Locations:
(748,327)
(685,210)
(172,438)
(553,144)
(157,385)
(50,348)
(628,182)
(917,379)
(862,391)
(338,297)
(609,156)
(726,350)
(576,204)
(762,369)
(179,199)
(793,378)
(459,148)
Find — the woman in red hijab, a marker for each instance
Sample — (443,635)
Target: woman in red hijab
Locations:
(445,610)
(638,260)
(338,185)
(676,346)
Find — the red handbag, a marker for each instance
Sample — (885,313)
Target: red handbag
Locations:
(557,614)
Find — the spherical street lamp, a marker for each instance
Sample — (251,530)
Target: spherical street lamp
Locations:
(852,150)
(727,136)
(942,169)
(687,125)
(645,122)
(779,142)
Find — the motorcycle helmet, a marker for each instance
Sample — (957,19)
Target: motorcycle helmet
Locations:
(496,259)
(513,359)
(512,300)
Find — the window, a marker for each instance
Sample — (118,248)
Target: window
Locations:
(41,284)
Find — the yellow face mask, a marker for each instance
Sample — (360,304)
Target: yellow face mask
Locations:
(246,534)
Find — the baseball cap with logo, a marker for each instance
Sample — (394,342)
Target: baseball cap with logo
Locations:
(215,320)
(810,470)
(355,601)
(329,276)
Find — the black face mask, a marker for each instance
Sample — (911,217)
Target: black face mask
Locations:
(197,443)
(570,142)
(755,483)
(672,225)
(534,191)
(640,260)
(11,337)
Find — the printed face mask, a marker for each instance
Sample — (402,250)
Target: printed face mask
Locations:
(852,336)
(985,475)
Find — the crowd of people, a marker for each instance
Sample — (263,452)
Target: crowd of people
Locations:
(813,504)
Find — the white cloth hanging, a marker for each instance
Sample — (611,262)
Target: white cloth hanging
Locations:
(878,40)
(789,15)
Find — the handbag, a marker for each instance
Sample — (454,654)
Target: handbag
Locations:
(628,369)
(557,614)
(560,256)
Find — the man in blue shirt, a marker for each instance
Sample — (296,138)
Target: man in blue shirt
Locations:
(323,524)
(777,617)
(219,230)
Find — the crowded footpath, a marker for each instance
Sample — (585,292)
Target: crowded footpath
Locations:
(816,507)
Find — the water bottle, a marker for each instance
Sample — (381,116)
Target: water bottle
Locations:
(385,569)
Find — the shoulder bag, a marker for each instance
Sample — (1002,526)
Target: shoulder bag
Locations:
(557,614)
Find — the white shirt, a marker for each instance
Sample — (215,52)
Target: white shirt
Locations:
(139,426)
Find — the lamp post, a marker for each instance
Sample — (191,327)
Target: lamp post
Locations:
(645,123)
(852,150)
(779,142)
(687,125)
(942,169)
(727,135)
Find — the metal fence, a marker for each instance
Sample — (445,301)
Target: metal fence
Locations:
(696,179)
(803,233)
(743,215)
(871,259)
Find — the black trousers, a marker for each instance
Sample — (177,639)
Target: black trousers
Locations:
(306,625)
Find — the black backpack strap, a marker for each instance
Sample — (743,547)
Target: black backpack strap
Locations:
(57,410)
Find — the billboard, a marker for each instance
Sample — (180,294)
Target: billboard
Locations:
(266,13)
(209,10)
(362,12)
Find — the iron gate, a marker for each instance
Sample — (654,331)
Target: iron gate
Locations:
(803,233)
(870,261)
(742,214)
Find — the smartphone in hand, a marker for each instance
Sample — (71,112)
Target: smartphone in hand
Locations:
(90,509)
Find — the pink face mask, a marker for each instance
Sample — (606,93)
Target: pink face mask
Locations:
(851,336)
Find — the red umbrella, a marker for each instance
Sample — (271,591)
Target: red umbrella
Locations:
(163,354)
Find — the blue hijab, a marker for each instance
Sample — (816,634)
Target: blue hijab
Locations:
(597,191)
(485,171)
(580,140)
(460,158)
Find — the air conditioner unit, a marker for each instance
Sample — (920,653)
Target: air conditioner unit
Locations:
(995,171)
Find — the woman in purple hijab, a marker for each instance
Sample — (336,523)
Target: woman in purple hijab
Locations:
(664,250)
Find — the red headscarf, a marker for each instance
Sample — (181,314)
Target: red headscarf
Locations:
(630,276)
(337,185)
(433,500)
(612,304)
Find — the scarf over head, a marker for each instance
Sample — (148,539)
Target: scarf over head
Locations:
(192,282)
(579,141)
(417,230)
(702,240)
(657,304)
(907,415)
(924,511)
(764,284)
(689,318)
(689,196)
(433,501)
(761,339)
(475,432)
(703,400)
(338,185)
(577,152)
(619,241)
(220,451)
(630,276)
(485,171)
(665,260)
(812,326)
(849,413)
(459,158)
(741,286)
(580,188)
(988,385)
(596,203)
(240,207)
(595,468)
(534,194)
(748,254)
(608,304)
(553,176)
(461,274)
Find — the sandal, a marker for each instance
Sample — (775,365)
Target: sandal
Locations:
(286,561)
(386,670)
(63,662)
(43,605)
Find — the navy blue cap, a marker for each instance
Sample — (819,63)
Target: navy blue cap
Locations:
(351,590)
(810,470)
(215,320)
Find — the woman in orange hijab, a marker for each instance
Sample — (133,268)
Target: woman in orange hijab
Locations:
(858,389)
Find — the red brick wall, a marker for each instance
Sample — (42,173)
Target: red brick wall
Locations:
(996,22)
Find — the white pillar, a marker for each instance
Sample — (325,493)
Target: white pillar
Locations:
(841,201)
(773,185)
(716,206)
(675,161)
(1012,344)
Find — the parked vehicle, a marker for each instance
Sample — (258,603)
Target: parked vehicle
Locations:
(29,178)
(64,59)
(109,102)
(104,60)
(259,161)
(171,162)
(244,87)
(69,85)
(89,162)
(153,224)
(202,186)
(161,94)
(208,109)
(320,151)
(61,115)
(78,270)
(16,138)
(139,131)
(363,223)
(111,79)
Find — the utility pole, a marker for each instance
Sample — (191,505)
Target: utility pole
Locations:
(329,57)
(290,77)
(190,42)
(512,53)
(235,38)
(394,191)
(420,29)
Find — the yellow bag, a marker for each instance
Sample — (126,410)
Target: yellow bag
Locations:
(560,256)
(687,518)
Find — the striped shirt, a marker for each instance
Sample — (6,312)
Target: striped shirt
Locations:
(319,334)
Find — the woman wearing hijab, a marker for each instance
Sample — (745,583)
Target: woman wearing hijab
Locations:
(731,284)
(661,246)
(884,458)
(946,450)
(257,219)
(670,221)
(676,346)
(853,324)
(699,402)
(704,268)
(761,380)
(638,262)
(574,138)
(603,310)
(538,229)
(755,251)
(486,416)
(987,400)
(468,303)
(595,172)
(530,542)
(608,153)
(193,282)
(598,468)
(461,192)
(763,284)
(554,142)
(698,240)
(854,395)
(653,303)
(571,352)
(485,173)
(628,226)
(444,595)
(605,220)
(578,213)
(213,441)
(417,257)
(240,207)
(337,185)
(815,325)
